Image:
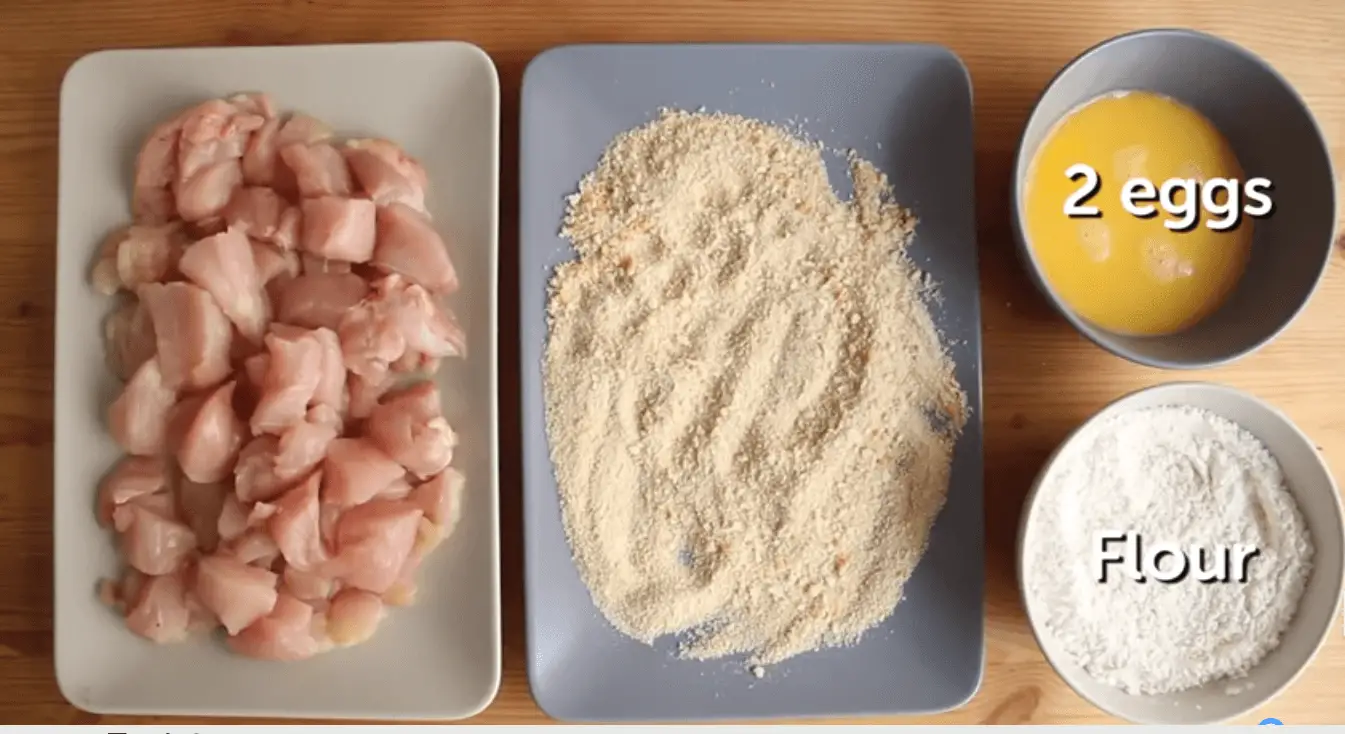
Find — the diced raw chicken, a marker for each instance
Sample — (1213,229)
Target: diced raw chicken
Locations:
(254,103)
(353,617)
(255,478)
(373,542)
(223,266)
(138,254)
(409,427)
(138,418)
(319,169)
(201,506)
(365,394)
(214,131)
(416,362)
(256,547)
(273,263)
(307,585)
(211,444)
(295,526)
(192,334)
(317,300)
(159,612)
(315,265)
(132,477)
(153,544)
(396,318)
(292,378)
(338,228)
(440,498)
(286,634)
(356,471)
(128,336)
(386,173)
(155,172)
(160,503)
(259,157)
(403,591)
(258,212)
(304,129)
(235,592)
(331,389)
(328,516)
(400,489)
(304,445)
(205,195)
(409,246)
(233,518)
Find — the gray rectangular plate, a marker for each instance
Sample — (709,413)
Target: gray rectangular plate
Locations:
(905,107)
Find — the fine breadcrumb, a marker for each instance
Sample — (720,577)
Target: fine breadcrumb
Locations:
(750,413)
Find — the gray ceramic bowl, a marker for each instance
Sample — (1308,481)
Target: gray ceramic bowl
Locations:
(1273,134)
(1314,490)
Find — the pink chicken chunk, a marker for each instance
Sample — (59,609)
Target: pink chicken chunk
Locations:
(290,632)
(210,445)
(223,265)
(192,335)
(152,543)
(338,228)
(373,542)
(356,471)
(315,300)
(236,593)
(386,173)
(138,418)
(409,426)
(132,477)
(319,169)
(407,244)
(292,378)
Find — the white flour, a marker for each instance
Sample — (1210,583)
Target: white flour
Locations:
(1170,474)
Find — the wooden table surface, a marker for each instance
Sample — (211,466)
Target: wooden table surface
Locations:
(1040,378)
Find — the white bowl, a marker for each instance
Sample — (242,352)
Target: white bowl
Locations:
(1314,490)
(437,659)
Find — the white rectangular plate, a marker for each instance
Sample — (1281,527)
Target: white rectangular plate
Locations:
(439,659)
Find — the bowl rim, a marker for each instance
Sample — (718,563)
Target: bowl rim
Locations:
(1115,407)
(1101,337)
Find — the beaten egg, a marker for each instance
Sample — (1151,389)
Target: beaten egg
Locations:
(1121,272)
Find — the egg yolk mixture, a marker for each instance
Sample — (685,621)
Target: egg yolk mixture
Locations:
(1123,273)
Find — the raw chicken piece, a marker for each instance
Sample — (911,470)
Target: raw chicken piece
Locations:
(409,427)
(386,173)
(319,169)
(403,590)
(192,334)
(120,594)
(356,471)
(255,476)
(259,157)
(331,389)
(132,477)
(255,547)
(295,526)
(400,489)
(315,300)
(258,212)
(210,445)
(416,362)
(314,265)
(138,417)
(292,377)
(353,617)
(214,131)
(301,128)
(286,634)
(160,503)
(373,542)
(304,445)
(201,506)
(338,228)
(365,394)
(254,103)
(396,318)
(128,336)
(307,586)
(138,254)
(328,516)
(159,612)
(273,263)
(440,498)
(233,518)
(155,171)
(409,246)
(153,544)
(205,195)
(223,266)
(236,593)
